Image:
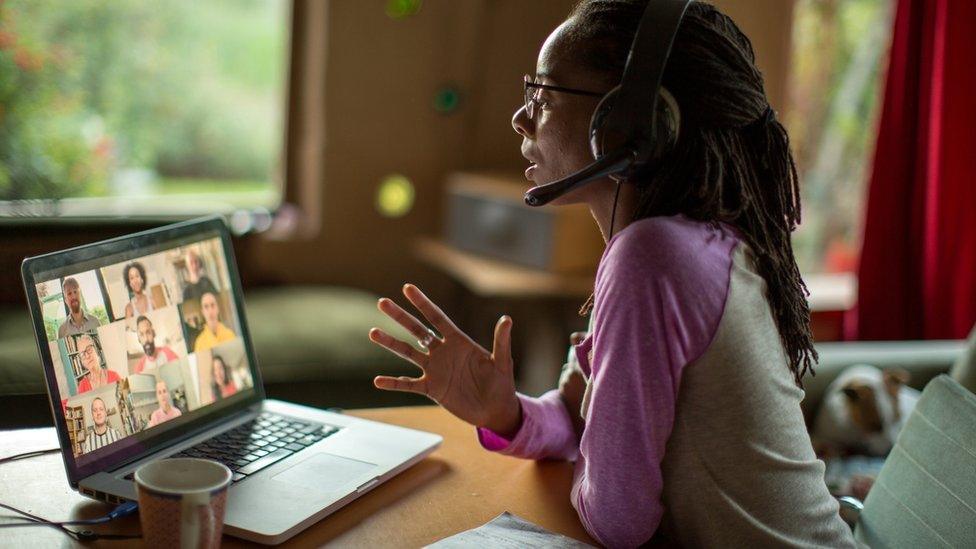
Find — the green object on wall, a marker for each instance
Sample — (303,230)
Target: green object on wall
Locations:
(401,9)
(447,100)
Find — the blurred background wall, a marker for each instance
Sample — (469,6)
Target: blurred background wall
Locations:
(376,117)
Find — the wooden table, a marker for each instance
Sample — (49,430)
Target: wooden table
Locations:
(458,487)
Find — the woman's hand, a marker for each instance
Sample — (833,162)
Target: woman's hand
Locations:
(572,386)
(460,375)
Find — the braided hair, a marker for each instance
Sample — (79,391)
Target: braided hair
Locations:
(732,161)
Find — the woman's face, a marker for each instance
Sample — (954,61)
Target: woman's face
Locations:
(89,354)
(135,280)
(218,371)
(556,139)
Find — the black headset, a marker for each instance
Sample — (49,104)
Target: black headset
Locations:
(622,141)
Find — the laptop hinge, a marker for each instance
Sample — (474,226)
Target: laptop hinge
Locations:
(228,422)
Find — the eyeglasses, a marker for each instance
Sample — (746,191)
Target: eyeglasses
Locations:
(89,351)
(533,89)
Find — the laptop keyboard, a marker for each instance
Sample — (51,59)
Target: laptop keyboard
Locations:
(259,443)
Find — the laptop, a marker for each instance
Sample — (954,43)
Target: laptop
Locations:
(147,355)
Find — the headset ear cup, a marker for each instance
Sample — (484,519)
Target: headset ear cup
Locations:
(599,118)
(666,126)
(668,122)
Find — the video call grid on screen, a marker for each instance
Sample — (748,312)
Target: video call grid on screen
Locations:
(140,338)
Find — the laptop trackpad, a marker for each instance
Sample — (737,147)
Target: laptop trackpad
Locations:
(326,472)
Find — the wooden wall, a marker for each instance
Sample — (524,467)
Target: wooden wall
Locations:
(380,78)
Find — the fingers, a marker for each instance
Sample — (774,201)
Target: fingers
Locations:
(502,348)
(403,383)
(405,319)
(577,337)
(431,312)
(404,350)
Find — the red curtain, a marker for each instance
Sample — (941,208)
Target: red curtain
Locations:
(917,274)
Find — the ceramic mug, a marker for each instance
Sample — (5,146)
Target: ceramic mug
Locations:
(181,502)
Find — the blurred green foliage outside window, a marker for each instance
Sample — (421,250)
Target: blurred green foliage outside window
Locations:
(142,100)
(840,52)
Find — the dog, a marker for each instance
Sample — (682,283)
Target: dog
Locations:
(863,411)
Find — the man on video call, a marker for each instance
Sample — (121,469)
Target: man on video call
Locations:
(155,356)
(78,320)
(100,434)
(197,283)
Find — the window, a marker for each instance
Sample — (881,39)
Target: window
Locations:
(141,108)
(839,59)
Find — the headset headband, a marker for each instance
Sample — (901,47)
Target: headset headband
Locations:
(626,140)
(636,103)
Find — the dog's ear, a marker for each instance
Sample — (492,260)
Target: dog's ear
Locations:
(895,375)
(894,379)
(862,404)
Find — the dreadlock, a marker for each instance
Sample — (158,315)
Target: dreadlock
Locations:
(732,161)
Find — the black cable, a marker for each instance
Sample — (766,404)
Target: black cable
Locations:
(38,521)
(613,213)
(81,535)
(25,455)
(122,510)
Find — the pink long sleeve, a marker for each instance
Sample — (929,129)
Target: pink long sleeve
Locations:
(660,294)
(546,431)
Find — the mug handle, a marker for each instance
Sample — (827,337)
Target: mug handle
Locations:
(191,533)
(208,529)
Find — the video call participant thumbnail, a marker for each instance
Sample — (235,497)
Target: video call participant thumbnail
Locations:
(154,356)
(223,384)
(197,283)
(78,320)
(166,410)
(96,375)
(134,276)
(101,434)
(214,332)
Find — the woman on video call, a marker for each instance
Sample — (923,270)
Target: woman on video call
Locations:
(223,384)
(96,374)
(134,276)
(683,415)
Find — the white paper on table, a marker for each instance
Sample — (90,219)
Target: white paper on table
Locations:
(508,531)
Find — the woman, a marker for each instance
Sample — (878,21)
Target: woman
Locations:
(96,376)
(222,386)
(687,400)
(134,275)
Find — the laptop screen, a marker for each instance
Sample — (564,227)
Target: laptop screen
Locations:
(142,341)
